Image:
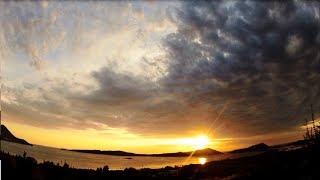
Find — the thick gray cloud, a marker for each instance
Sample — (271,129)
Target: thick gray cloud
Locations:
(116,88)
(262,58)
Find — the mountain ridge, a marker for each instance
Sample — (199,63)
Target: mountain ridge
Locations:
(6,135)
(202,152)
(256,147)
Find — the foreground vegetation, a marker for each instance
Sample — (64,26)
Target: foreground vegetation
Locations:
(312,135)
(297,164)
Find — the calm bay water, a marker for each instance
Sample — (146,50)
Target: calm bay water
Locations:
(93,161)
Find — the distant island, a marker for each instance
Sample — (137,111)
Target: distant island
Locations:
(203,152)
(261,147)
(6,135)
(254,148)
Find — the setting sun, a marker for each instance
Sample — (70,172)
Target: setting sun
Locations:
(192,143)
(201,142)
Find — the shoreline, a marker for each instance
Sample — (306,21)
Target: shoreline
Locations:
(93,161)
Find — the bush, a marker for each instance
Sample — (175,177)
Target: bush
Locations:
(105,169)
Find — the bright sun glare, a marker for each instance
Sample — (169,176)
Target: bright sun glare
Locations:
(201,142)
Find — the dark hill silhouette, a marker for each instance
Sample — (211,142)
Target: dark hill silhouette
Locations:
(206,151)
(295,143)
(202,152)
(6,135)
(114,153)
(257,147)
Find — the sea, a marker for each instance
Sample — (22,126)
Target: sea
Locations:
(94,161)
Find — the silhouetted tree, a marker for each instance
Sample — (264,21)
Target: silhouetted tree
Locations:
(99,170)
(24,155)
(66,165)
(312,135)
(105,169)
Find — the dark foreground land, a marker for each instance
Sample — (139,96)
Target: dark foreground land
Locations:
(297,164)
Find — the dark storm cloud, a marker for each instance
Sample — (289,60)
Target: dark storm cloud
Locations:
(261,57)
(117,88)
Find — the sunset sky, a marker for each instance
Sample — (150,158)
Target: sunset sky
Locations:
(151,76)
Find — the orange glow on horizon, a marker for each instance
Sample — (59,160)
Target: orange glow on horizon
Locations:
(112,139)
(120,139)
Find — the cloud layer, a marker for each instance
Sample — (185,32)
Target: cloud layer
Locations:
(262,58)
(258,62)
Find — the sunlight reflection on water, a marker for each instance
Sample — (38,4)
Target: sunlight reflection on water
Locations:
(202,160)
